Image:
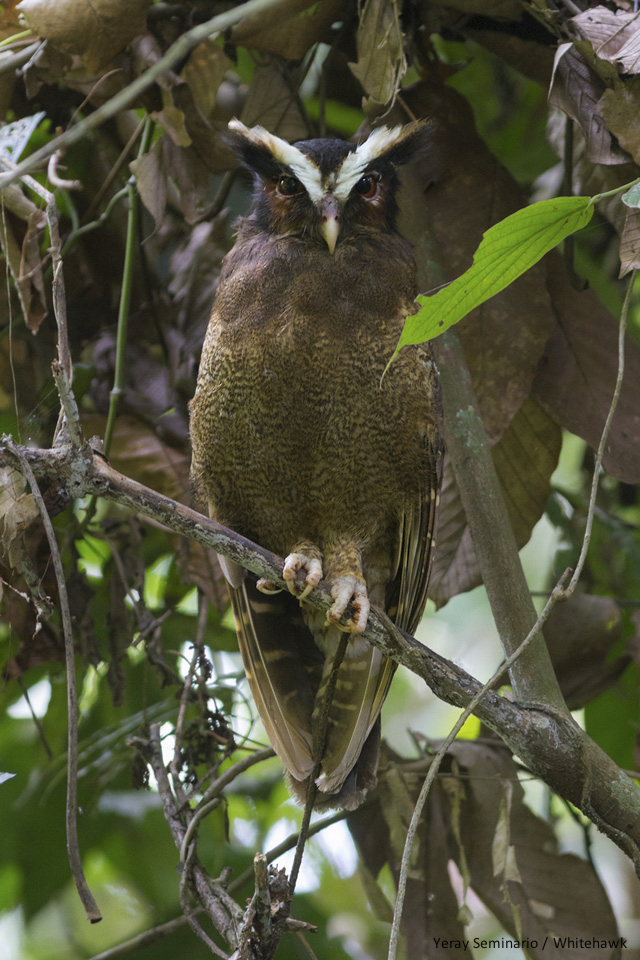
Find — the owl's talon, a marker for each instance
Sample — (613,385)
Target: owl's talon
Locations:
(267,587)
(346,590)
(313,568)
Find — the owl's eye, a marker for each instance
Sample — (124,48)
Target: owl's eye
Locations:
(367,187)
(289,187)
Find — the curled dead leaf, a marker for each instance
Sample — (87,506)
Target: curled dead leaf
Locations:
(381,62)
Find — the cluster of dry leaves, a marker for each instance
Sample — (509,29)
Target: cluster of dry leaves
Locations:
(542,355)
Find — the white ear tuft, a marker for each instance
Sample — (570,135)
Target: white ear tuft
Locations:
(379,142)
(300,165)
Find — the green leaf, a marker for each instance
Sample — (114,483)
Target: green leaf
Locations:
(632,197)
(506,251)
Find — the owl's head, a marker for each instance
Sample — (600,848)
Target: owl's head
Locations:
(326,190)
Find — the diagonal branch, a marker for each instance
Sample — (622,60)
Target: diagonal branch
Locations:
(546,739)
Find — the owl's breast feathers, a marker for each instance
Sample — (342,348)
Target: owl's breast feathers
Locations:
(299,439)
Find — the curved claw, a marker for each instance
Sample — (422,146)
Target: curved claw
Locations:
(346,590)
(298,561)
(266,586)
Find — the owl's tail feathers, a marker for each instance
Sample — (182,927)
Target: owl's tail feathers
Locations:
(357,784)
(288,675)
(283,667)
(350,754)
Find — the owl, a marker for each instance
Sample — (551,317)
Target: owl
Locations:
(301,444)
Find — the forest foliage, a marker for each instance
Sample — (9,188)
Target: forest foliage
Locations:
(117,111)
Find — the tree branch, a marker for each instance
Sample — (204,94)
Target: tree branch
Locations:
(546,739)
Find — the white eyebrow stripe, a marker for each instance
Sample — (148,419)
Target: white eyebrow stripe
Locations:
(355,163)
(302,166)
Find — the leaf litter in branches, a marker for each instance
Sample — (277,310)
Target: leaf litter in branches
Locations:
(381,62)
(545,895)
(577,375)
(95,31)
(476,817)
(431,909)
(466,190)
(580,633)
(462,190)
(596,178)
(288,28)
(506,348)
(525,457)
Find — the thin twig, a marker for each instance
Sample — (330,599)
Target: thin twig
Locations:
(13,61)
(211,902)
(56,181)
(125,295)
(218,785)
(262,896)
(176,763)
(73,850)
(34,716)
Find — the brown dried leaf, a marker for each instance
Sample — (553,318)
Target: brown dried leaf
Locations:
(525,458)
(25,264)
(620,109)
(615,36)
(577,375)
(466,190)
(151,181)
(288,28)
(169,170)
(544,901)
(17,510)
(590,178)
(97,31)
(140,454)
(579,634)
(630,243)
(431,908)
(172,119)
(381,61)
(274,104)
(204,72)
(577,90)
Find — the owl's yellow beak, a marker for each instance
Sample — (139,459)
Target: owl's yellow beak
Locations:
(330,225)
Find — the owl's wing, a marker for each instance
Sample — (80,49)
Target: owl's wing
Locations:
(283,667)
(407,591)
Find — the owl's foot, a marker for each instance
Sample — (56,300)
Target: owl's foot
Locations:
(268,587)
(349,590)
(313,573)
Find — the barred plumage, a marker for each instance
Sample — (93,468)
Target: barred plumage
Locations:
(300,444)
